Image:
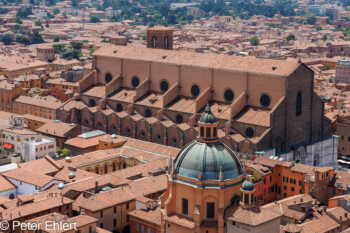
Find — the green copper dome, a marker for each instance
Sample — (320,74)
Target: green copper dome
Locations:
(247,186)
(207,161)
(207,117)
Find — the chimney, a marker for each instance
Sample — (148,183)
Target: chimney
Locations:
(307,177)
(96,186)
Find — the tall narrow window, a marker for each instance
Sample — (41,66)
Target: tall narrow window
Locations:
(154,42)
(210,210)
(184,206)
(215,132)
(298,104)
(246,198)
(202,131)
(166,42)
(208,132)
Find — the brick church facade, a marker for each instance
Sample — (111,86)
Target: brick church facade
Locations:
(263,107)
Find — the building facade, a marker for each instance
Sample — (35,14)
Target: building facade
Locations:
(343,72)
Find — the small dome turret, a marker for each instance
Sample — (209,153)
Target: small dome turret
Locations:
(248,185)
(207,117)
(247,196)
(208,126)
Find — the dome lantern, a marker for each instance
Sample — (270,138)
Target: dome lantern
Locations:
(207,126)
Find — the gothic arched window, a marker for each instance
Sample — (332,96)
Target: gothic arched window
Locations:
(298,103)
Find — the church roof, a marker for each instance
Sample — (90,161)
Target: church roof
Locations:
(234,63)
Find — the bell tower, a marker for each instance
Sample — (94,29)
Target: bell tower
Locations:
(160,37)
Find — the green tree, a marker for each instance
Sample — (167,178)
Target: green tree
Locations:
(38,91)
(38,23)
(324,37)
(58,151)
(94,19)
(23,40)
(56,11)
(254,41)
(114,18)
(56,39)
(6,38)
(318,28)
(36,38)
(62,152)
(311,19)
(92,51)
(326,67)
(18,20)
(77,45)
(59,48)
(65,152)
(290,37)
(70,54)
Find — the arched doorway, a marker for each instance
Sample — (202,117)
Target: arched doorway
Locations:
(126,229)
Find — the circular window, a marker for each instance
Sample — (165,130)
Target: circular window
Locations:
(179,118)
(148,113)
(142,133)
(174,140)
(164,86)
(265,100)
(158,136)
(135,81)
(99,124)
(86,122)
(108,77)
(113,128)
(249,132)
(128,130)
(228,95)
(195,90)
(92,103)
(119,108)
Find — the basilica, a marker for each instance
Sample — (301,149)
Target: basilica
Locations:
(263,107)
